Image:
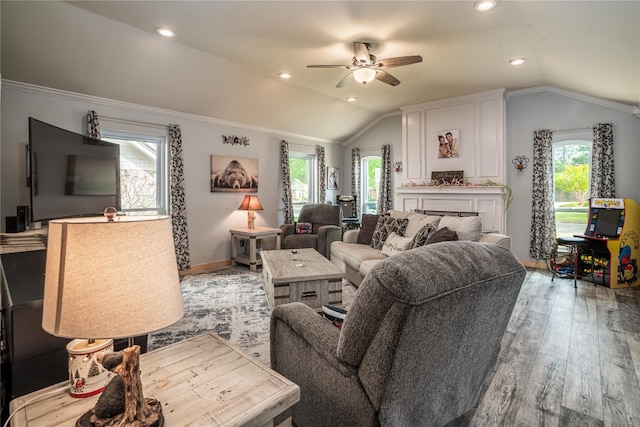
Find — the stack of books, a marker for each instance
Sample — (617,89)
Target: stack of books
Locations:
(334,314)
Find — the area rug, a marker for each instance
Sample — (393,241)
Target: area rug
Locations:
(230,303)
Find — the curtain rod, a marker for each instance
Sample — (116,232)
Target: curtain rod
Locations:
(142,122)
(573,129)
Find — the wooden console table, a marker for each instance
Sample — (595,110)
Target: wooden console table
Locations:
(200,381)
(252,235)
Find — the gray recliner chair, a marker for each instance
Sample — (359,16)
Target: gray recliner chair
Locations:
(421,337)
(326,223)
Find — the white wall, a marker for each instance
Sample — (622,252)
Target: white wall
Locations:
(528,111)
(209,215)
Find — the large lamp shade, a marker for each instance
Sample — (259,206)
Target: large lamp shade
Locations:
(110,279)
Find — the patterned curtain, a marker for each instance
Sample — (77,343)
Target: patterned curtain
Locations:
(355,177)
(543,224)
(322,188)
(286,183)
(93,125)
(603,180)
(178,203)
(384,197)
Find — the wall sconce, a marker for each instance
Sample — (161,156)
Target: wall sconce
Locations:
(397,167)
(520,162)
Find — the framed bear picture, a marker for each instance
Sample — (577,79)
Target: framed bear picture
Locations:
(234,174)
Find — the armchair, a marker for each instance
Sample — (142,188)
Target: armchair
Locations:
(326,223)
(421,337)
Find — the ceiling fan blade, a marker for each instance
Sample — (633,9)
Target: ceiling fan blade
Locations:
(329,66)
(387,78)
(399,61)
(361,52)
(343,82)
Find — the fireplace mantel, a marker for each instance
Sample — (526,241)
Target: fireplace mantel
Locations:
(488,200)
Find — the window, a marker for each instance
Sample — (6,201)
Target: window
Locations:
(301,172)
(370,181)
(144,177)
(571,177)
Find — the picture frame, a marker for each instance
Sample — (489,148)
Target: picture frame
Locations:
(234,174)
(333,178)
(449,144)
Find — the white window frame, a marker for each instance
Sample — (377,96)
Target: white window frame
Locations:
(161,163)
(364,185)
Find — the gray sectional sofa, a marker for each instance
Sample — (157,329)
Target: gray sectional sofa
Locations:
(356,255)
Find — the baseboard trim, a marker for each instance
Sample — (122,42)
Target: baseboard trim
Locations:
(200,268)
(542,265)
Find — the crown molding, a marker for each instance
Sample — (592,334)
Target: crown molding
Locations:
(80,97)
(578,96)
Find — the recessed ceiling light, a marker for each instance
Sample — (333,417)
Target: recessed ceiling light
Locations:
(352,99)
(517,61)
(485,5)
(166,32)
(285,75)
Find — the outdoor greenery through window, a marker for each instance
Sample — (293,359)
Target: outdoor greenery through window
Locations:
(143,172)
(571,176)
(371,166)
(302,179)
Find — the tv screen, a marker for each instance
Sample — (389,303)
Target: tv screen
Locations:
(70,174)
(607,222)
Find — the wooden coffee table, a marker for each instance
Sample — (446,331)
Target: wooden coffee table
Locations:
(311,279)
(200,381)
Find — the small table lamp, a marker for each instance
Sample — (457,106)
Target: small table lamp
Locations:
(251,203)
(113,279)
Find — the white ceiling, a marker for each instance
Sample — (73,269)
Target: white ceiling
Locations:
(224,61)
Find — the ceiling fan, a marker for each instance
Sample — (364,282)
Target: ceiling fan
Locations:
(367,67)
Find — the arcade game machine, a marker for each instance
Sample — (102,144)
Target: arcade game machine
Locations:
(614,232)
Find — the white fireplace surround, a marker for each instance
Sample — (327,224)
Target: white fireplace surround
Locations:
(488,201)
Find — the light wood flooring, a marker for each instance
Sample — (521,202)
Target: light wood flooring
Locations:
(570,357)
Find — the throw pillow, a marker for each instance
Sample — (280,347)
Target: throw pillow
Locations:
(303,227)
(396,244)
(441,235)
(467,227)
(418,220)
(384,227)
(420,239)
(367,225)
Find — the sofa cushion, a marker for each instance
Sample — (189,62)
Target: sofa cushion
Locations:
(384,227)
(396,244)
(303,227)
(367,226)
(352,254)
(467,228)
(420,238)
(366,266)
(417,221)
(441,235)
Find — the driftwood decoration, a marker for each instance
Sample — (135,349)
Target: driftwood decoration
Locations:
(235,140)
(123,403)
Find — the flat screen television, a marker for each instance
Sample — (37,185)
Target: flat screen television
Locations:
(607,222)
(70,175)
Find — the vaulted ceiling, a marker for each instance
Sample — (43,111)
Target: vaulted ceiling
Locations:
(226,56)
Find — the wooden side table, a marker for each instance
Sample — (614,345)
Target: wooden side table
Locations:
(252,235)
(200,381)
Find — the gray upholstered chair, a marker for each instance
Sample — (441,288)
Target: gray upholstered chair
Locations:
(326,223)
(420,338)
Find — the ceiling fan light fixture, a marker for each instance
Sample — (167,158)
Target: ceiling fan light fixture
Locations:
(485,5)
(364,75)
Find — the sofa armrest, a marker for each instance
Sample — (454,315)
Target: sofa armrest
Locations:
(350,236)
(496,238)
(310,330)
(328,234)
